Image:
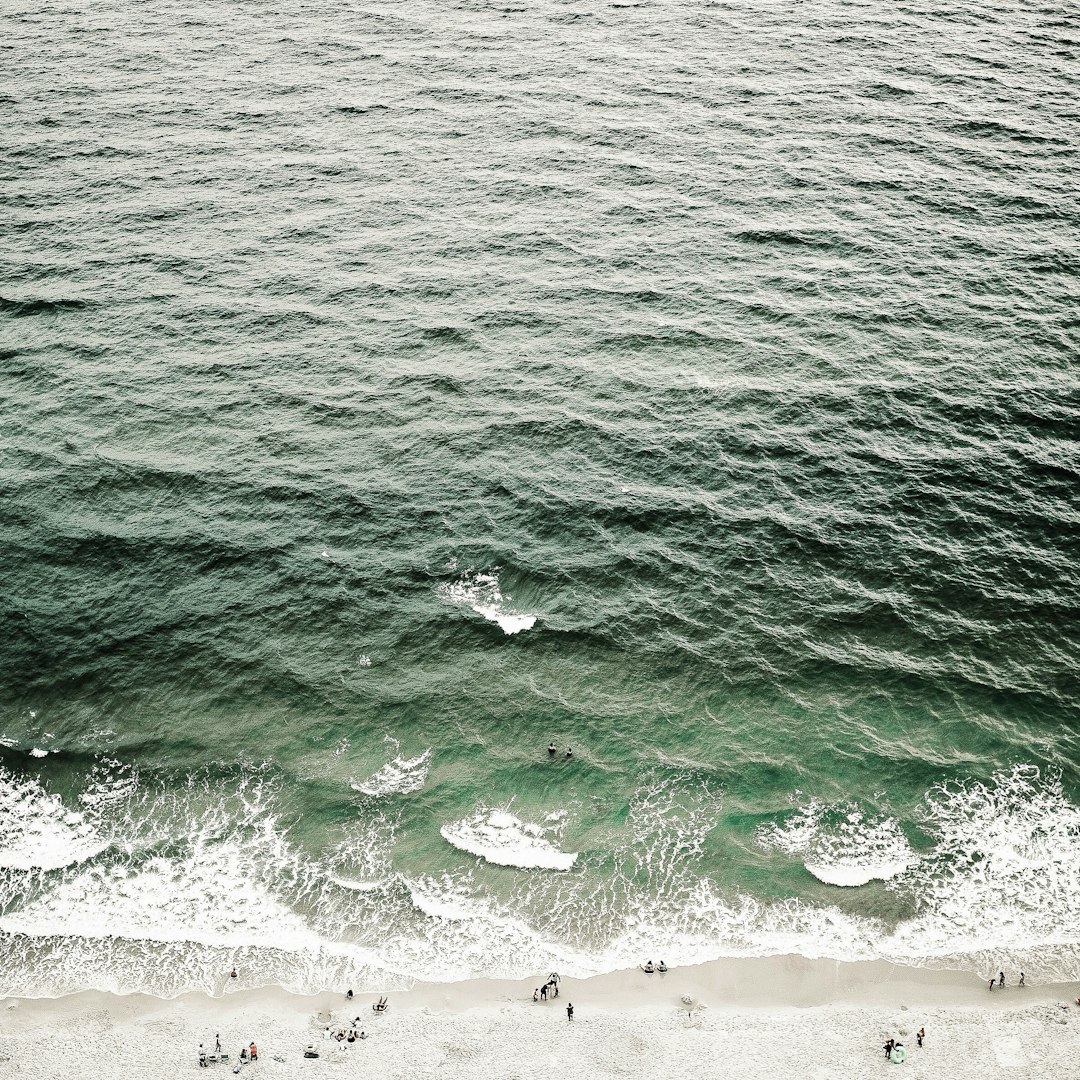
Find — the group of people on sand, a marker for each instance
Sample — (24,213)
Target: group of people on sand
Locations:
(549,989)
(379,1006)
(208,1058)
(1000,980)
(649,967)
(345,1035)
(895,1051)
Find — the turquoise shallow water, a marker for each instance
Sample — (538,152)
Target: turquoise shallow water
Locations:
(391,390)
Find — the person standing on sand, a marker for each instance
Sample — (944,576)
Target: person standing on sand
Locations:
(217,1044)
(543,992)
(888,1048)
(920,1035)
(570,1012)
(1001,979)
(1021,982)
(991,984)
(536,994)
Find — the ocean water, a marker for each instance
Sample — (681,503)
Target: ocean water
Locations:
(392,388)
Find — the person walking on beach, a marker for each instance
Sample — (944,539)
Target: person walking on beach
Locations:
(253,1052)
(1001,979)
(920,1035)
(217,1044)
(1021,982)
(888,1047)
(543,992)
(570,1012)
(991,984)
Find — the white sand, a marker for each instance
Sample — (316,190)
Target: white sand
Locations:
(782,1017)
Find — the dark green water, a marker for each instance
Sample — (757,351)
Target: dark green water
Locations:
(726,353)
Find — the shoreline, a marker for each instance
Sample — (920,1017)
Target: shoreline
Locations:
(769,1016)
(771,982)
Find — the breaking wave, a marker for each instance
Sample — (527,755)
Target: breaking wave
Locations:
(480,592)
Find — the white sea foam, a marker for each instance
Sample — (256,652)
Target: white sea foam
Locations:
(480,591)
(498,836)
(398,777)
(1004,872)
(842,845)
(37,831)
(199,878)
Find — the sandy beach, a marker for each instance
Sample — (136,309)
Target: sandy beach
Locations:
(777,1017)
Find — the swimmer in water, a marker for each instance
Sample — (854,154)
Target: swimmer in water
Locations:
(551,749)
(569,752)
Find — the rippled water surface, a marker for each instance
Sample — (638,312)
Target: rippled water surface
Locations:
(389,390)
